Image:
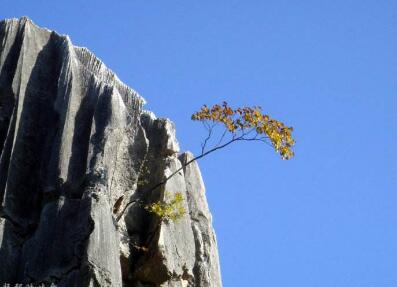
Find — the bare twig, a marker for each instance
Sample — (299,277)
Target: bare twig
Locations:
(222,137)
(203,145)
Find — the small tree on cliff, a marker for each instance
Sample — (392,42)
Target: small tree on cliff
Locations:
(241,124)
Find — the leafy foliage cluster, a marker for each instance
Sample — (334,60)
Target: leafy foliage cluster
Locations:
(171,208)
(242,122)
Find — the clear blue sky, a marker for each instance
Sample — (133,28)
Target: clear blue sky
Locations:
(326,218)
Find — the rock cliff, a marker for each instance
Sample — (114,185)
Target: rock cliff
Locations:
(75,147)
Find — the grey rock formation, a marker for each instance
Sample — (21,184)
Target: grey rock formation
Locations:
(75,148)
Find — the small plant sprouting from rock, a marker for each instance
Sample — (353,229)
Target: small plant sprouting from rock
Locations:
(171,208)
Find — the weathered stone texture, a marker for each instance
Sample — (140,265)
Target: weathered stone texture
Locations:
(75,148)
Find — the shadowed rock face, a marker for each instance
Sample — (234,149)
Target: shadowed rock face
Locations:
(75,147)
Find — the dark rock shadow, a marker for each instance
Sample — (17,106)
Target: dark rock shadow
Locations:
(7,102)
(36,224)
(22,198)
(81,139)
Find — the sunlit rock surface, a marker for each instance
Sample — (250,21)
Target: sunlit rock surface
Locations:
(75,147)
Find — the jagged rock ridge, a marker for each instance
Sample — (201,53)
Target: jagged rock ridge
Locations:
(75,147)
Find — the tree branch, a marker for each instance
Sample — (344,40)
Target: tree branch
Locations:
(178,170)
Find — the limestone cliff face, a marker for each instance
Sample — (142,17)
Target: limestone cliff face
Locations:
(75,147)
